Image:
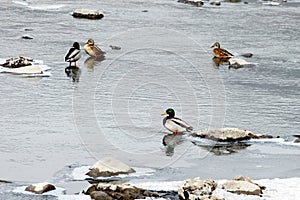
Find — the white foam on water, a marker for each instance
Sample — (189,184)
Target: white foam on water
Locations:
(39,7)
(46,7)
(23,3)
(79,173)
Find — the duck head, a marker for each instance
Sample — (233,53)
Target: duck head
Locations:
(169,112)
(216,44)
(76,45)
(90,42)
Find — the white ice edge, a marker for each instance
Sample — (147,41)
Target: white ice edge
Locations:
(208,142)
(276,189)
(79,173)
(58,191)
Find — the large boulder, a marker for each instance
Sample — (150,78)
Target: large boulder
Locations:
(109,167)
(107,191)
(243,185)
(40,188)
(228,134)
(193,189)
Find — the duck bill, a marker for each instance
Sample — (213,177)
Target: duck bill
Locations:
(164,113)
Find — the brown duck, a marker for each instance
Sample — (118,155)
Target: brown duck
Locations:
(219,52)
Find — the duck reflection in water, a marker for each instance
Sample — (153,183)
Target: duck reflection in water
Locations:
(220,61)
(170,142)
(225,148)
(73,72)
(90,62)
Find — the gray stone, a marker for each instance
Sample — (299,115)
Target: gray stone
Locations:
(109,167)
(228,134)
(40,188)
(243,185)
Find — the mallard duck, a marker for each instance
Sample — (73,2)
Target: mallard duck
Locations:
(73,54)
(92,50)
(220,53)
(175,124)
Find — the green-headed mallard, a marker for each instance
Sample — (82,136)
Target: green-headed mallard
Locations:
(175,124)
(220,53)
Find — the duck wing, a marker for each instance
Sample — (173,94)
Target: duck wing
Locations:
(72,55)
(181,123)
(98,50)
(222,53)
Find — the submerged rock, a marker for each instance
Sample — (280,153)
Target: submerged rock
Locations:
(193,189)
(109,167)
(229,134)
(243,185)
(87,13)
(40,188)
(117,191)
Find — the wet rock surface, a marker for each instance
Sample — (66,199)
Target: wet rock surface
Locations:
(40,188)
(117,191)
(20,61)
(193,189)
(243,185)
(109,167)
(228,134)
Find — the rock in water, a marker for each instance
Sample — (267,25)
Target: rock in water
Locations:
(193,189)
(20,61)
(109,167)
(108,191)
(98,195)
(40,188)
(229,134)
(243,185)
(88,14)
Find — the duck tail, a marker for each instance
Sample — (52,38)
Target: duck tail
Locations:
(189,129)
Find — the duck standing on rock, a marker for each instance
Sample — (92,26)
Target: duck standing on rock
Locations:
(218,52)
(73,54)
(175,124)
(92,50)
